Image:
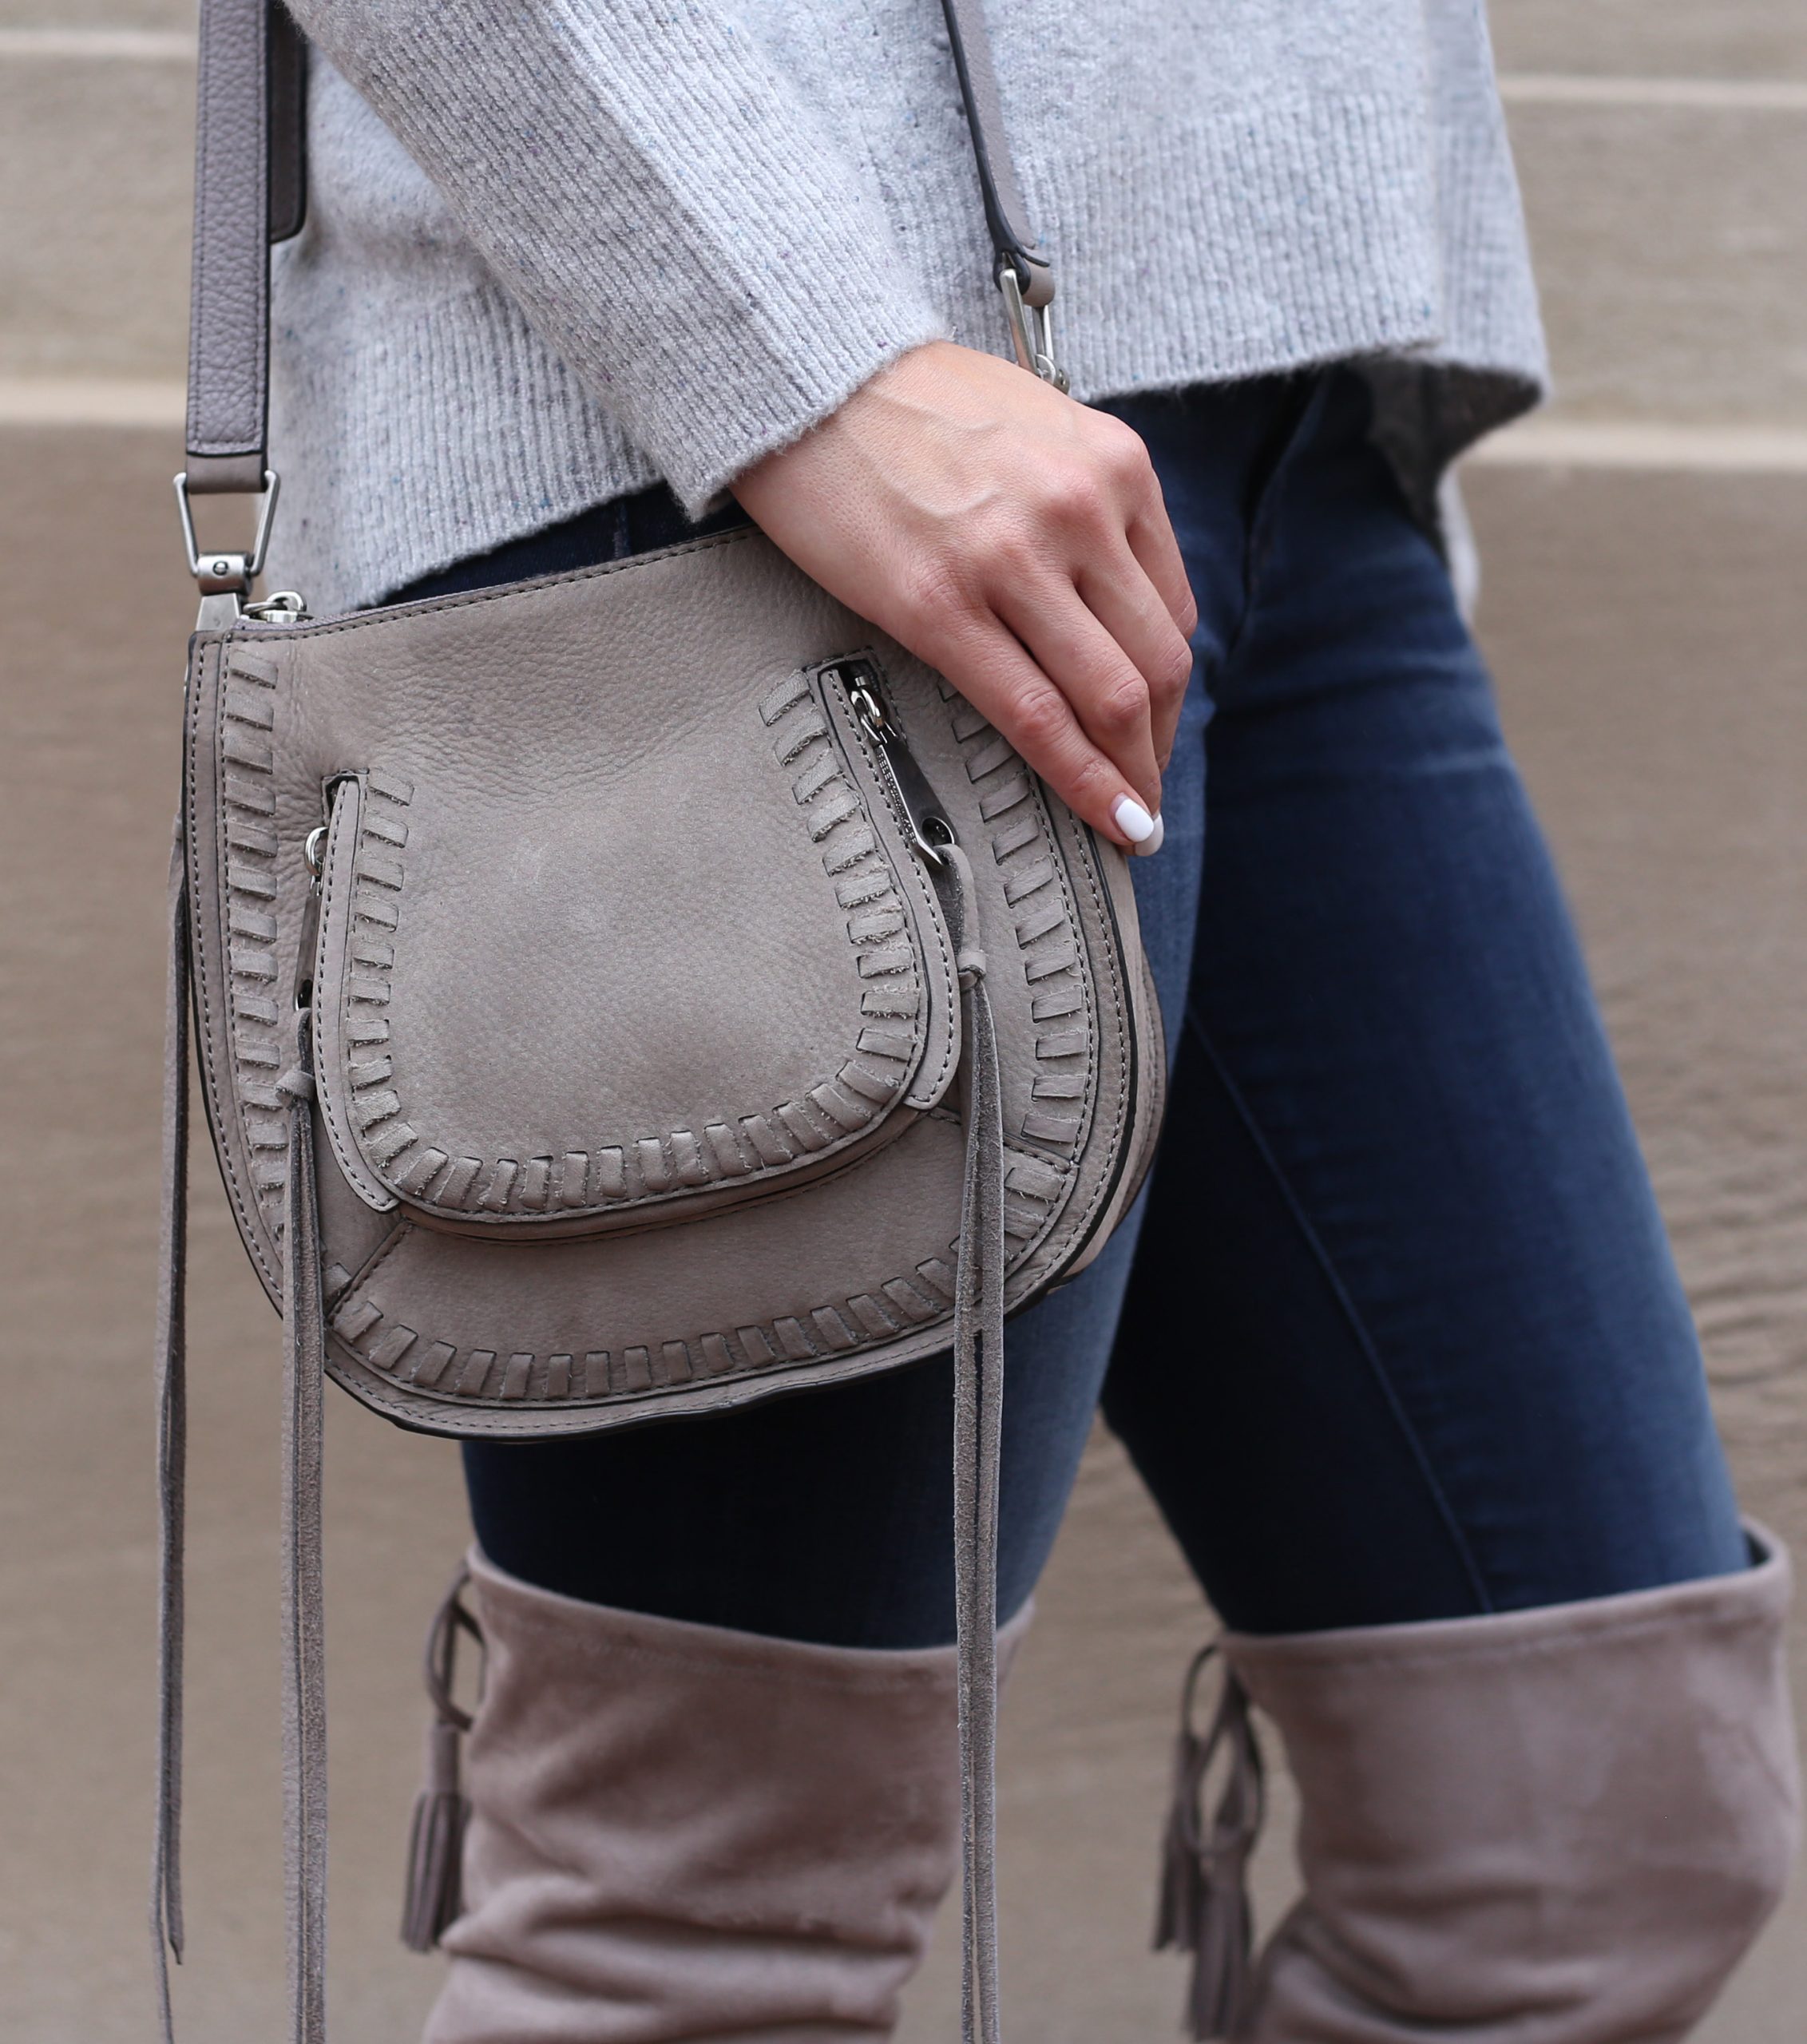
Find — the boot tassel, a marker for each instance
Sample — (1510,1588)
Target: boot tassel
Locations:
(434,1895)
(1204,1900)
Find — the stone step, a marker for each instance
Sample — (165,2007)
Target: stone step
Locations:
(176,16)
(96,161)
(1646,629)
(1670,244)
(1666,38)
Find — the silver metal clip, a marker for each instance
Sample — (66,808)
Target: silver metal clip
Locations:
(1032,329)
(280,607)
(224,573)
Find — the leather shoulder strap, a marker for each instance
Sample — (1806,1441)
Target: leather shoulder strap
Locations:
(287,97)
(250,189)
(246,195)
(1013,241)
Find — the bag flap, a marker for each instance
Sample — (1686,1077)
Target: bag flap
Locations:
(680,960)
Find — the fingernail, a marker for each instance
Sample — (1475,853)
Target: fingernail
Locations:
(1157,838)
(1133,820)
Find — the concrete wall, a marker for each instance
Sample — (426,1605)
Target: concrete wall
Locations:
(1644,610)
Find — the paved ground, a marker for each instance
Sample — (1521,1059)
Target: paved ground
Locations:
(1646,633)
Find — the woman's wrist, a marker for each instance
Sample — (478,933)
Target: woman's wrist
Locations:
(1015,540)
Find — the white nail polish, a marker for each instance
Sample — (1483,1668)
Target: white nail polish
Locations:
(1157,838)
(1133,820)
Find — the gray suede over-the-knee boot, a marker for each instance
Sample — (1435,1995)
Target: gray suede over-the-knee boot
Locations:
(678,1831)
(1560,1826)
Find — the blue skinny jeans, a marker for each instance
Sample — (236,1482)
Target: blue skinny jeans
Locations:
(1395,1332)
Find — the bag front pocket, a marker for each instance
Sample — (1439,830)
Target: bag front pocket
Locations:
(698,965)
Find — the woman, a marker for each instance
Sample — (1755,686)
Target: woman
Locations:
(1395,1341)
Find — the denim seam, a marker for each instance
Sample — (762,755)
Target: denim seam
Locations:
(1346,1305)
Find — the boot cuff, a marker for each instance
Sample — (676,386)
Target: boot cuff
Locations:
(1758,1597)
(571,1626)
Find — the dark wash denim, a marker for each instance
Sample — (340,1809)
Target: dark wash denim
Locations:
(1395,1332)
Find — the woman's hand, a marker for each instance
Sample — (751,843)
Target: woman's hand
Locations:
(1015,540)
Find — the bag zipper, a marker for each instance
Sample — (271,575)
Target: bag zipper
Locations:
(916,801)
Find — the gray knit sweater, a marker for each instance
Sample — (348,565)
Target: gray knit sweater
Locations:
(557,249)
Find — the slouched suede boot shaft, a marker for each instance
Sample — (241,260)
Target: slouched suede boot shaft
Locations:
(1560,1826)
(678,1832)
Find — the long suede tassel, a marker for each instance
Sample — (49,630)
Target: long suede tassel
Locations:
(304,1755)
(304,1690)
(1204,1904)
(171,1363)
(978,1362)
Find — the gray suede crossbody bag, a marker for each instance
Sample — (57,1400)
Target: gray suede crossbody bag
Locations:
(630,993)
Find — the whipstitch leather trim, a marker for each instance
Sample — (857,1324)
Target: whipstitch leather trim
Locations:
(839,1110)
(248,815)
(374,916)
(1041,910)
(1035,1189)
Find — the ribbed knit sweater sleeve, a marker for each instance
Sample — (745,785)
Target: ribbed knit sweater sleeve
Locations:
(691,238)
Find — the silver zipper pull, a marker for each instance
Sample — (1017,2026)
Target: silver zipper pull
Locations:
(929,830)
(313,857)
(310,926)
